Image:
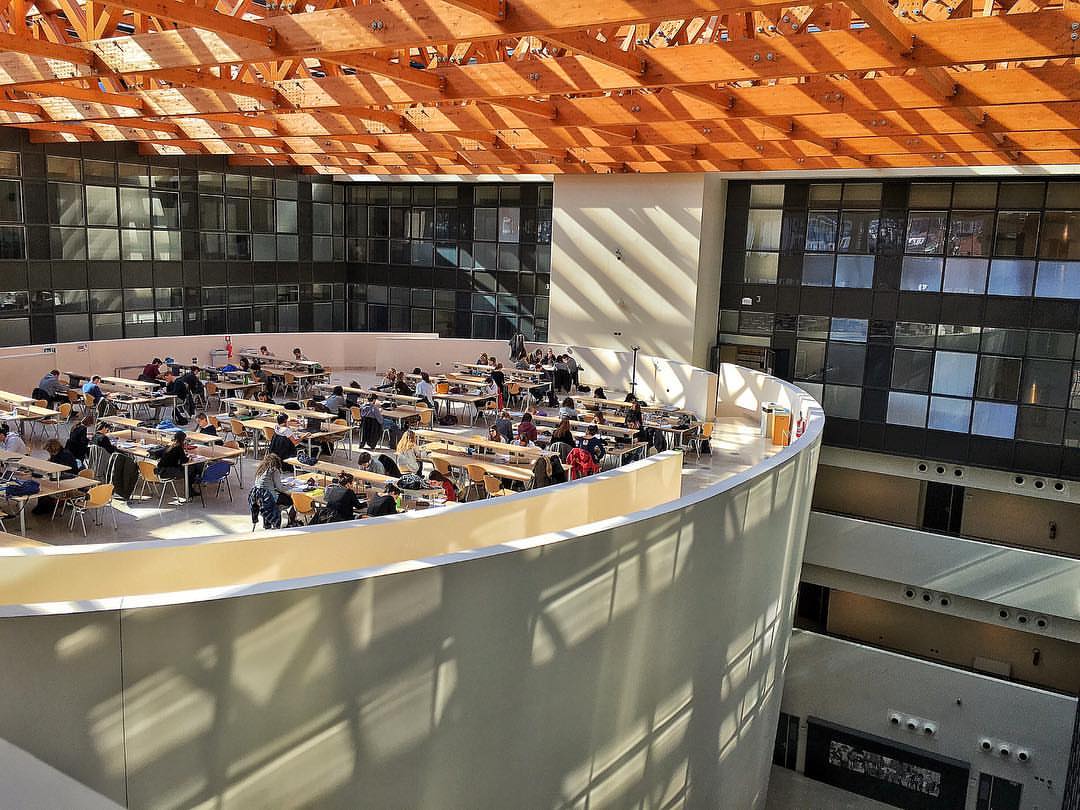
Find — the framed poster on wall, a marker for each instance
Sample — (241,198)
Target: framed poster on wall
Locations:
(882,769)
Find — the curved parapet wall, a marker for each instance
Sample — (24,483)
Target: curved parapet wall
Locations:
(633,659)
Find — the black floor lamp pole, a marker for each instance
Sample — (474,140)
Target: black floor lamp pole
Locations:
(633,370)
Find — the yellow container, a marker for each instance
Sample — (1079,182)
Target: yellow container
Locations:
(781,432)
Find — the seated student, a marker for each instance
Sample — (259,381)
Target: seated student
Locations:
(190,378)
(205,426)
(78,442)
(57,455)
(262,396)
(388,380)
(51,386)
(425,389)
(151,371)
(407,452)
(11,441)
(483,360)
(597,417)
(549,357)
(437,478)
(563,433)
(386,503)
(268,494)
(178,388)
(265,352)
(102,439)
(244,364)
(598,393)
(298,355)
(335,403)
(283,445)
(172,461)
(401,385)
(593,443)
(493,391)
(567,409)
(352,399)
(505,425)
(526,427)
(495,436)
(93,388)
(341,498)
(365,461)
(371,423)
(523,441)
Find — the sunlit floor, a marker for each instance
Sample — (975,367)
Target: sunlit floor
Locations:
(735,447)
(789,790)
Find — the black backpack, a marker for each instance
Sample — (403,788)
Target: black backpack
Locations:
(389,465)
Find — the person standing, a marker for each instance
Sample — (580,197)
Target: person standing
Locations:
(517,347)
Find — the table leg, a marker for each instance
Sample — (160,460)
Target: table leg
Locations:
(187,482)
(22,518)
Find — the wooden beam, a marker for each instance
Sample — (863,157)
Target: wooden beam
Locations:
(607,53)
(884,22)
(188,13)
(490,9)
(31,46)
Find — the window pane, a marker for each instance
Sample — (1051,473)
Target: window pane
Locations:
(817,269)
(236,214)
(1058,280)
(960,338)
(921,274)
(759,268)
(64,168)
(974,195)
(821,229)
(965,276)
(1050,344)
(1011,277)
(1042,425)
(926,232)
(101,206)
(810,360)
(907,409)
(911,369)
(855,271)
(767,195)
(486,224)
(969,233)
(858,231)
(850,329)
(102,244)
(949,414)
(842,401)
(1003,341)
(814,326)
(915,334)
(213,246)
(846,361)
(66,204)
(1060,235)
(286,216)
(763,230)
(135,245)
(930,195)
(12,242)
(1017,233)
(164,209)
(509,224)
(994,419)
(999,378)
(134,208)
(167,246)
(1045,382)
(262,215)
(211,213)
(954,373)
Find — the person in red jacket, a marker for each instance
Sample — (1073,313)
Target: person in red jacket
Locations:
(526,427)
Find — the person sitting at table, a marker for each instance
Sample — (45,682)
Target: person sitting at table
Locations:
(335,403)
(172,461)
(567,409)
(371,423)
(78,441)
(401,386)
(365,461)
(93,388)
(298,356)
(492,391)
(425,389)
(563,433)
(190,378)
(352,399)
(406,454)
(269,493)
(341,498)
(245,366)
(285,439)
(499,376)
(593,443)
(265,352)
(205,426)
(495,436)
(102,439)
(598,393)
(262,396)
(505,425)
(549,358)
(388,380)
(11,441)
(440,480)
(526,427)
(483,359)
(151,371)
(523,441)
(52,388)
(636,413)
(386,503)
(57,455)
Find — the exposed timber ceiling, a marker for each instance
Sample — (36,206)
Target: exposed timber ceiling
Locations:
(552,86)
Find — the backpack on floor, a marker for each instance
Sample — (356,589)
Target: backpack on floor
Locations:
(449,419)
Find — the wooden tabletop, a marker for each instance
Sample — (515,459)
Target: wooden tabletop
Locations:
(50,487)
(163,436)
(18,541)
(333,468)
(15,399)
(613,430)
(142,385)
(366,392)
(477,441)
(40,465)
(500,469)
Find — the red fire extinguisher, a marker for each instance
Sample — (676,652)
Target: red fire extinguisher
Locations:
(228,346)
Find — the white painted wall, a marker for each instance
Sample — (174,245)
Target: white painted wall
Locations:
(663,293)
(857,686)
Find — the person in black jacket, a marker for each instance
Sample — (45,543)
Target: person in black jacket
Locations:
(78,442)
(384,504)
(102,440)
(172,461)
(57,455)
(341,498)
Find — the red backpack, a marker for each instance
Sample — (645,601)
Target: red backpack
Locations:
(581,463)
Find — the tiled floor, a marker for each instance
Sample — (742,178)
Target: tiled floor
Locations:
(735,446)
